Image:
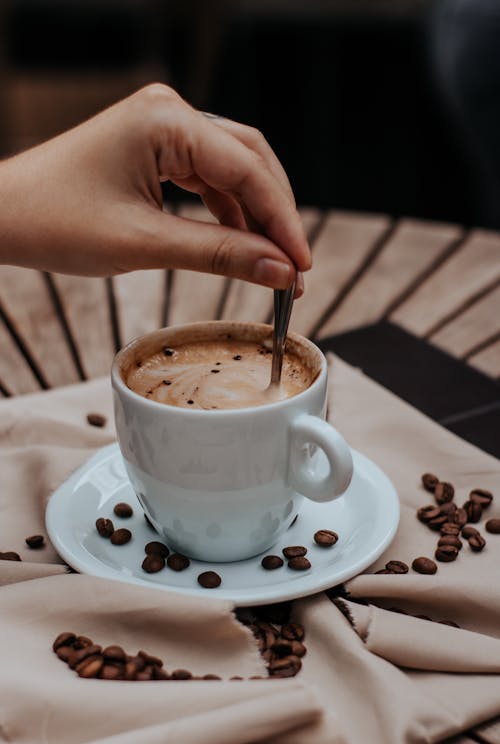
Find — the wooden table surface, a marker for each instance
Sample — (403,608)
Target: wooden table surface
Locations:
(437,281)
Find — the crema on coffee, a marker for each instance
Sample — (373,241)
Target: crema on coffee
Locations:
(216,374)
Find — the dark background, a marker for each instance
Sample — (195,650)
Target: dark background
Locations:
(344,92)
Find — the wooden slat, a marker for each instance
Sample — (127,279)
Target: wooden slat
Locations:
(246,301)
(26,298)
(488,360)
(464,276)
(411,252)
(86,307)
(343,244)
(195,296)
(468,330)
(15,372)
(140,302)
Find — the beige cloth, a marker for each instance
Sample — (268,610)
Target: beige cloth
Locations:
(392,678)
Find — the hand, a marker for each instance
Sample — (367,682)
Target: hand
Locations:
(89,201)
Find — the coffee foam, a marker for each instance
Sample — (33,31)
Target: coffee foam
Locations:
(202,365)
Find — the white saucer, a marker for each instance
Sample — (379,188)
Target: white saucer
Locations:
(365,518)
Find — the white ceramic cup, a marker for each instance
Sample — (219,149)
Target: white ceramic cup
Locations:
(224,485)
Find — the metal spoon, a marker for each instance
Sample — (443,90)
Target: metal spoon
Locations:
(283,301)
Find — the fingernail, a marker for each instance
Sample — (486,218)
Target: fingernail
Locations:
(272,273)
(299,286)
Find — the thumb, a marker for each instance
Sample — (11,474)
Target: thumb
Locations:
(180,243)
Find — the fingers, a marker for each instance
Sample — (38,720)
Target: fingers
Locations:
(178,243)
(190,144)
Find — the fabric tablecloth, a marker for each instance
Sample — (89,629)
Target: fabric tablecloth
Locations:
(371,674)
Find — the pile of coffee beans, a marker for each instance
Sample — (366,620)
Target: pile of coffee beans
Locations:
(280,643)
(34,542)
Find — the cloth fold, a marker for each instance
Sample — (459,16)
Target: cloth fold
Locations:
(381,676)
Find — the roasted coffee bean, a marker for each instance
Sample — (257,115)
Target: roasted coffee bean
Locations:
(35,541)
(211,676)
(423,617)
(111,672)
(450,528)
(65,653)
(145,676)
(436,523)
(96,419)
(446,553)
(325,538)
(282,647)
(90,668)
(449,622)
(430,481)
(481,497)
(300,563)
(473,510)
(131,670)
(114,653)
(294,551)
(150,659)
(178,562)
(269,633)
(383,571)
(288,666)
(160,674)
(84,653)
(10,555)
(424,565)
(156,547)
(82,642)
(428,512)
(443,492)
(298,649)
(450,540)
(270,562)
(121,536)
(469,531)
(236,678)
(123,510)
(293,631)
(181,674)
(64,639)
(397,567)
(449,508)
(477,543)
(153,563)
(460,517)
(209,580)
(493,526)
(104,527)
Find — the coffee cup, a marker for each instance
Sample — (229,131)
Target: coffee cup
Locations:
(223,484)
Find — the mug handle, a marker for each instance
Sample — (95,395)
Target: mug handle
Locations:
(307,429)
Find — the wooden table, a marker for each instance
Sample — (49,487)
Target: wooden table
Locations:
(438,281)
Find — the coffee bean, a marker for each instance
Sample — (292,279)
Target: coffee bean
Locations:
(446,553)
(121,536)
(96,419)
(300,563)
(111,672)
(424,565)
(298,649)
(178,562)
(285,667)
(160,674)
(477,543)
(35,542)
(450,540)
(104,527)
(64,639)
(426,513)
(443,492)
(65,653)
(282,647)
(84,653)
(237,357)
(383,571)
(209,580)
(397,567)
(215,371)
(236,678)
(10,555)
(325,538)
(90,668)
(449,622)
(82,642)
(450,528)
(436,523)
(150,659)
(153,563)
(181,674)
(423,617)
(294,551)
(430,481)
(449,508)
(270,562)
(469,531)
(145,676)
(493,526)
(114,653)
(293,631)
(211,676)
(481,497)
(123,510)
(460,517)
(131,670)
(156,547)
(473,510)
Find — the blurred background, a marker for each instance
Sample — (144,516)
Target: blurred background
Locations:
(374,105)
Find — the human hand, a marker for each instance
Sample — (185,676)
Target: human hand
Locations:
(89,201)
